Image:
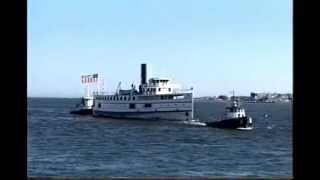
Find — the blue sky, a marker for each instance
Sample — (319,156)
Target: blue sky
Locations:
(213,45)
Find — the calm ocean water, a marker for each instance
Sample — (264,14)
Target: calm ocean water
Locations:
(61,144)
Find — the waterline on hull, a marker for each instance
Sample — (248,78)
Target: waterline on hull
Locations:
(178,116)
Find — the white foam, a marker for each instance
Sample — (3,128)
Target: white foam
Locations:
(245,128)
(269,127)
(195,122)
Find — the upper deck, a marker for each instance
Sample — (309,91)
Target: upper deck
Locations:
(153,89)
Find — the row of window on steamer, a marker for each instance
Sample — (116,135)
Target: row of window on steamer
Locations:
(116,98)
(154,89)
(125,98)
(132,106)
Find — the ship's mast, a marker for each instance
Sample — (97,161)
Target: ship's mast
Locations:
(101,88)
(192,103)
(86,91)
(98,86)
(118,88)
(237,100)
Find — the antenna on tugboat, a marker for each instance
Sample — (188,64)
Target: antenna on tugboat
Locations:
(233,97)
(118,88)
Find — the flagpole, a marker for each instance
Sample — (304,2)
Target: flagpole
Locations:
(86,90)
(102,89)
(98,85)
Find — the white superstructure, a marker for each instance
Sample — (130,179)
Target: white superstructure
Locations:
(156,99)
(86,102)
(234,111)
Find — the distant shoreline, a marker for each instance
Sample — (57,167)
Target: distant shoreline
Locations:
(53,97)
(249,102)
(195,100)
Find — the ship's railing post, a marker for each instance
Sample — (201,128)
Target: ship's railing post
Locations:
(192,114)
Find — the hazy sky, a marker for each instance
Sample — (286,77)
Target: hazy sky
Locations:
(213,45)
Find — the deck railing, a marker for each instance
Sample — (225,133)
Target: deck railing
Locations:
(182,90)
(103,93)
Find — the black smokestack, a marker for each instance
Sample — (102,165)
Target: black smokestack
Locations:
(143,73)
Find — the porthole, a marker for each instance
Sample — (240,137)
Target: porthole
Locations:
(132,106)
(148,105)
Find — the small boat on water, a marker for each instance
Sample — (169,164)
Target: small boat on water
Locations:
(85,106)
(234,118)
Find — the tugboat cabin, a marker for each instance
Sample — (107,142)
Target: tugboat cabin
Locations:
(235,111)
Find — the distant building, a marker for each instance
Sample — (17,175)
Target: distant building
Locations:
(270,97)
(253,96)
(205,98)
(245,98)
(223,97)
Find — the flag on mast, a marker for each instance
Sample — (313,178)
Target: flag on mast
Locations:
(89,78)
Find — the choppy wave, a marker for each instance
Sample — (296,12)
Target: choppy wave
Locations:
(62,144)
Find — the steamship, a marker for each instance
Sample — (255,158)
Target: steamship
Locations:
(157,99)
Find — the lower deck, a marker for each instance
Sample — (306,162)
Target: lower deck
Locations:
(169,115)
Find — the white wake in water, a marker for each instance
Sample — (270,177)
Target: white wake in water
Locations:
(195,123)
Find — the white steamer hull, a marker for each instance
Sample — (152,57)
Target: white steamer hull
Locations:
(178,116)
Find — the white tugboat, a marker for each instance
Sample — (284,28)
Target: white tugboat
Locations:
(156,99)
(234,118)
(87,101)
(85,106)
